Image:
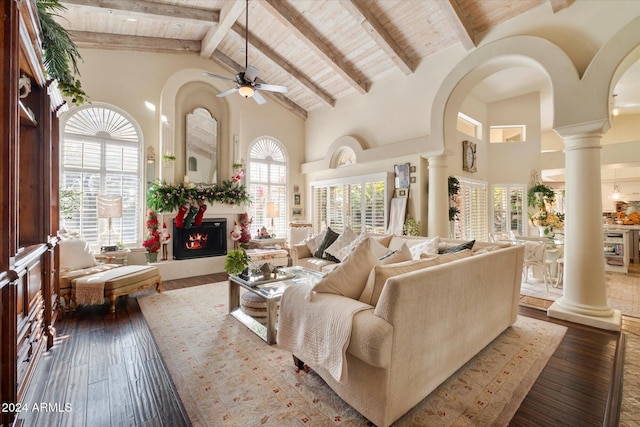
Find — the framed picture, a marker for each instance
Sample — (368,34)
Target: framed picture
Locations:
(402,193)
(296,199)
(296,212)
(402,175)
(413,180)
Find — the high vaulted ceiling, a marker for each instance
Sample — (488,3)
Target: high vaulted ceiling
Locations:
(322,50)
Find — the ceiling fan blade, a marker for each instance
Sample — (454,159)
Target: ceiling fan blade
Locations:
(272,88)
(206,73)
(250,73)
(259,98)
(227,92)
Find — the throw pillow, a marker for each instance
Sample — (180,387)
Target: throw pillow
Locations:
(380,273)
(349,277)
(75,254)
(402,254)
(458,248)
(379,248)
(329,237)
(428,246)
(334,252)
(313,242)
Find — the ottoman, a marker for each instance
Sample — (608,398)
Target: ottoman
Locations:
(116,282)
(275,257)
(255,306)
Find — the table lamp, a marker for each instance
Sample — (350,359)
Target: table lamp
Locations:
(109,207)
(272,211)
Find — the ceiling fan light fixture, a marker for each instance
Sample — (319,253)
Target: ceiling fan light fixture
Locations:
(246,91)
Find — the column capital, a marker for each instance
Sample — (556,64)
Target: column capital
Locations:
(437,161)
(581,130)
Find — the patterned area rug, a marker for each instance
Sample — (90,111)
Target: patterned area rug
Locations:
(227,376)
(623,292)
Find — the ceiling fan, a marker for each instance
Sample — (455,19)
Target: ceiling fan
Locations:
(246,84)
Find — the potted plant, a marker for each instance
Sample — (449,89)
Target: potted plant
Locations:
(236,262)
(453,190)
(539,195)
(60,52)
(152,242)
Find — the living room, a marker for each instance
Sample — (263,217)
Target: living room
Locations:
(410,119)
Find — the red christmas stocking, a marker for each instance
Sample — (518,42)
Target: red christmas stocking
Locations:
(180,216)
(199,215)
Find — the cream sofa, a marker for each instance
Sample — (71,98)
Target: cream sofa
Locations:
(425,325)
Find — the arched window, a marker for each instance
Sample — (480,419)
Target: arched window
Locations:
(267,176)
(101,154)
(345,157)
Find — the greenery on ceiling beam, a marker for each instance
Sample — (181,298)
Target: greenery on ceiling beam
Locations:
(60,52)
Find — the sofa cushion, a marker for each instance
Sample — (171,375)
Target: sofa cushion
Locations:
(380,273)
(313,242)
(315,264)
(402,254)
(329,237)
(428,247)
(350,276)
(334,252)
(457,248)
(75,254)
(377,245)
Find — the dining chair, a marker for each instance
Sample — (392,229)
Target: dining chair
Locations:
(535,257)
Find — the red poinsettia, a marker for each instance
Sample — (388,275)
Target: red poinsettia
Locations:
(152,242)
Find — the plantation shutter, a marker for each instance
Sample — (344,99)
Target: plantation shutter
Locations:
(359,205)
(472,222)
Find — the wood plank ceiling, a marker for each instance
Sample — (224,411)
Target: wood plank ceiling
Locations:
(322,50)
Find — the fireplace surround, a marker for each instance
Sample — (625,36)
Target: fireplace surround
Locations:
(206,240)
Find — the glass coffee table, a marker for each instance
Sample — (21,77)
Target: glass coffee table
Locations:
(271,291)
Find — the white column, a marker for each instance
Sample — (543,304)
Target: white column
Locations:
(584,297)
(438,208)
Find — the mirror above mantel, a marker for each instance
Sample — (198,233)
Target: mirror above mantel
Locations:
(201,147)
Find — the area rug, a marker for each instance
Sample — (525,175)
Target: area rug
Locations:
(225,375)
(623,292)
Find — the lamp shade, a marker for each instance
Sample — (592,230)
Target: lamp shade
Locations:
(246,91)
(109,206)
(272,210)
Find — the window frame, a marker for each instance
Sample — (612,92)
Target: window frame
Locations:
(133,203)
(320,221)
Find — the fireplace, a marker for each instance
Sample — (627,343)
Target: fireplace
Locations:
(207,239)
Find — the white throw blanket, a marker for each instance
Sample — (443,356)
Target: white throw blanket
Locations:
(89,289)
(317,332)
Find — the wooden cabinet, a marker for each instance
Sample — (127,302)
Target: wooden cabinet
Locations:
(616,250)
(28,200)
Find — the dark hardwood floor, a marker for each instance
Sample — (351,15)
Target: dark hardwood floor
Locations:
(105,370)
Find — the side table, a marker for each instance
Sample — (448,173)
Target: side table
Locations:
(113,257)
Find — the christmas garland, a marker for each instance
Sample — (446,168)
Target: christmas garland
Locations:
(163,197)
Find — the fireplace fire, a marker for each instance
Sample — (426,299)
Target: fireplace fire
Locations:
(207,239)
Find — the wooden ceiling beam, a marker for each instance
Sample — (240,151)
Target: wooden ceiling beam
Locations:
(119,41)
(265,50)
(234,68)
(229,14)
(145,7)
(377,32)
(461,26)
(302,30)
